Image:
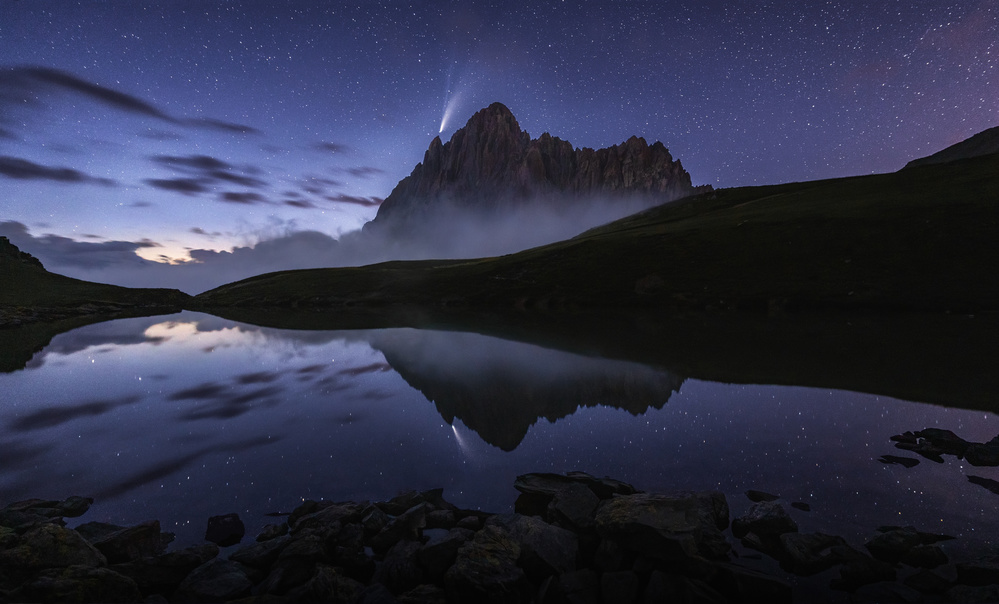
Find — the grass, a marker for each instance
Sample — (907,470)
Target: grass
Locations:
(923,239)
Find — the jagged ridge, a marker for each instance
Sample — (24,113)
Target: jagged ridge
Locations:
(491,162)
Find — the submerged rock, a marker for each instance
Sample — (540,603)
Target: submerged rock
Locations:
(225,530)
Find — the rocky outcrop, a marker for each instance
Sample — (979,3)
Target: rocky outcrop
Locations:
(491,164)
(11,251)
(984,143)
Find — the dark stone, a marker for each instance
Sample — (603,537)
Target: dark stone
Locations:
(801,505)
(988,483)
(376,593)
(374,520)
(441,519)
(580,587)
(945,440)
(78,584)
(134,542)
(895,542)
(907,462)
(400,503)
(758,496)
(225,530)
(983,454)
(163,573)
(424,594)
(261,554)
(217,580)
(400,571)
(928,582)
(486,570)
(668,527)
(925,556)
(33,511)
(329,585)
(438,554)
(747,585)
(325,518)
(272,531)
(862,570)
(969,594)
(472,523)
(573,507)
(810,553)
(619,587)
(663,587)
(408,525)
(544,549)
(983,571)
(610,556)
(605,487)
(296,564)
(768,519)
(96,531)
(886,591)
(50,546)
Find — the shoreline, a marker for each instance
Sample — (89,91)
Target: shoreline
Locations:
(571,538)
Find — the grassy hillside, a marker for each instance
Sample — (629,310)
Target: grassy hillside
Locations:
(30,293)
(925,238)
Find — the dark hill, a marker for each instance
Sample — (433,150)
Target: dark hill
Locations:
(983,143)
(922,239)
(492,166)
(30,293)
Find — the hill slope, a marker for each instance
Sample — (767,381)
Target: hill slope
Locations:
(983,143)
(29,293)
(925,238)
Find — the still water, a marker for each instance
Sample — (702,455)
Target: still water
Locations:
(186,416)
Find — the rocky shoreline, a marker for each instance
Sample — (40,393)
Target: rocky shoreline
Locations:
(572,538)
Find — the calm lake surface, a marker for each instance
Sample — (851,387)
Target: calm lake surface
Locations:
(186,416)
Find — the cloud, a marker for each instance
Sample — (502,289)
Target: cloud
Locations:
(23,169)
(212,124)
(364,171)
(187,186)
(201,171)
(368,202)
(242,197)
(28,79)
(54,250)
(329,147)
(300,204)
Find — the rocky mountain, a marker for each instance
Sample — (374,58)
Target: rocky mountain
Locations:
(491,165)
(985,142)
(11,253)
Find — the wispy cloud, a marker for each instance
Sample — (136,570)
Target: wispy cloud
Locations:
(23,169)
(331,147)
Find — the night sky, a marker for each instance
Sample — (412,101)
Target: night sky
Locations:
(181,130)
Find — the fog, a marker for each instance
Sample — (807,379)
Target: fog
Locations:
(448,231)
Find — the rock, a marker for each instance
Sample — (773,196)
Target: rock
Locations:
(801,505)
(945,441)
(544,549)
(894,543)
(928,582)
(983,571)
(472,523)
(374,520)
(441,519)
(768,519)
(408,525)
(225,530)
(261,554)
(610,556)
(925,556)
(296,564)
(746,585)
(810,553)
(424,594)
(580,587)
(131,543)
(966,593)
(758,496)
(325,517)
(217,580)
(162,574)
(327,585)
(400,503)
(50,546)
(988,483)
(619,587)
(907,462)
(23,514)
(862,570)
(376,593)
(886,591)
(78,584)
(400,571)
(486,570)
(604,488)
(438,554)
(272,531)
(573,507)
(663,587)
(668,527)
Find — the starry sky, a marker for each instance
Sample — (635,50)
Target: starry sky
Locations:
(224,134)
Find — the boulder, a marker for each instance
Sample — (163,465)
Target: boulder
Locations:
(983,571)
(767,519)
(272,531)
(409,525)
(134,542)
(573,507)
(217,580)
(758,496)
(400,570)
(50,546)
(439,553)
(328,584)
(261,554)
(78,584)
(225,530)
(810,553)
(486,570)
(544,549)
(162,574)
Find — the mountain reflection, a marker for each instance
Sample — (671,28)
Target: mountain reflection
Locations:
(500,388)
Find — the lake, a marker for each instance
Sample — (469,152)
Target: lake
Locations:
(186,416)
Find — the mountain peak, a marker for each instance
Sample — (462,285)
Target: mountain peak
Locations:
(491,163)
